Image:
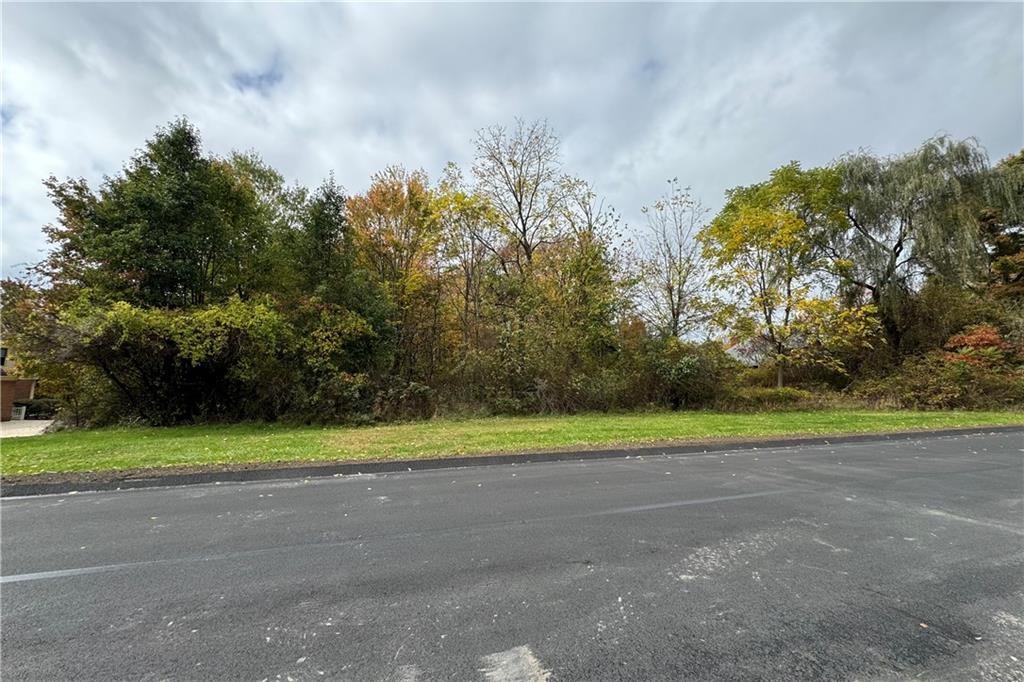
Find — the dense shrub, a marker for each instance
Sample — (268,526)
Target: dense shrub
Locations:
(602,389)
(977,369)
(169,366)
(936,382)
(404,400)
(763,398)
(336,397)
(940,310)
(691,375)
(760,376)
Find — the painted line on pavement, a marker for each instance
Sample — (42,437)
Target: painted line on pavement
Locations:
(86,570)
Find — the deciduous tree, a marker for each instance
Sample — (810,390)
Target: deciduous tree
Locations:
(673,279)
(519,172)
(175,228)
(762,247)
(906,217)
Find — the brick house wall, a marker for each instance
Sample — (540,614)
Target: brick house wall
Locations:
(12,389)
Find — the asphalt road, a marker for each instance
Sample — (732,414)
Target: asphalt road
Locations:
(863,560)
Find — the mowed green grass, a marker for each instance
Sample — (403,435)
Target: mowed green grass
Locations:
(144,447)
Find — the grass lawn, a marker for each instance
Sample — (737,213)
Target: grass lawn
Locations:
(137,447)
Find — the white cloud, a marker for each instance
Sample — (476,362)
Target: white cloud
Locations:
(716,95)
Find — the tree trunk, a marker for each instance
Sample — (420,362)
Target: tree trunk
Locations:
(890,325)
(893,334)
(778,374)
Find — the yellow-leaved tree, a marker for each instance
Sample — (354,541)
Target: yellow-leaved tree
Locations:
(766,261)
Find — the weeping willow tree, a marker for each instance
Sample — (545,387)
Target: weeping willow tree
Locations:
(1003,226)
(908,217)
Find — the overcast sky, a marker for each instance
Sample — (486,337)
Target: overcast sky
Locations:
(716,95)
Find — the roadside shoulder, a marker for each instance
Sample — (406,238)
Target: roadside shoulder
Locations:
(56,483)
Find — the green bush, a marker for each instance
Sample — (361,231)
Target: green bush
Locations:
(225,361)
(691,375)
(763,398)
(405,400)
(338,396)
(599,390)
(508,405)
(937,382)
(940,310)
(763,376)
(978,369)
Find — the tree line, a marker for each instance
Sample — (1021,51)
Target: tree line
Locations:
(191,286)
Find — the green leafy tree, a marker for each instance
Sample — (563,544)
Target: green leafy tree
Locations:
(1002,223)
(904,218)
(323,244)
(398,240)
(175,229)
(762,246)
(467,224)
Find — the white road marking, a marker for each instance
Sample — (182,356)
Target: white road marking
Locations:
(681,503)
(834,548)
(45,575)
(976,522)
(515,665)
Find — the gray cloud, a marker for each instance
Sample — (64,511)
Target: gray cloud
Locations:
(716,95)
